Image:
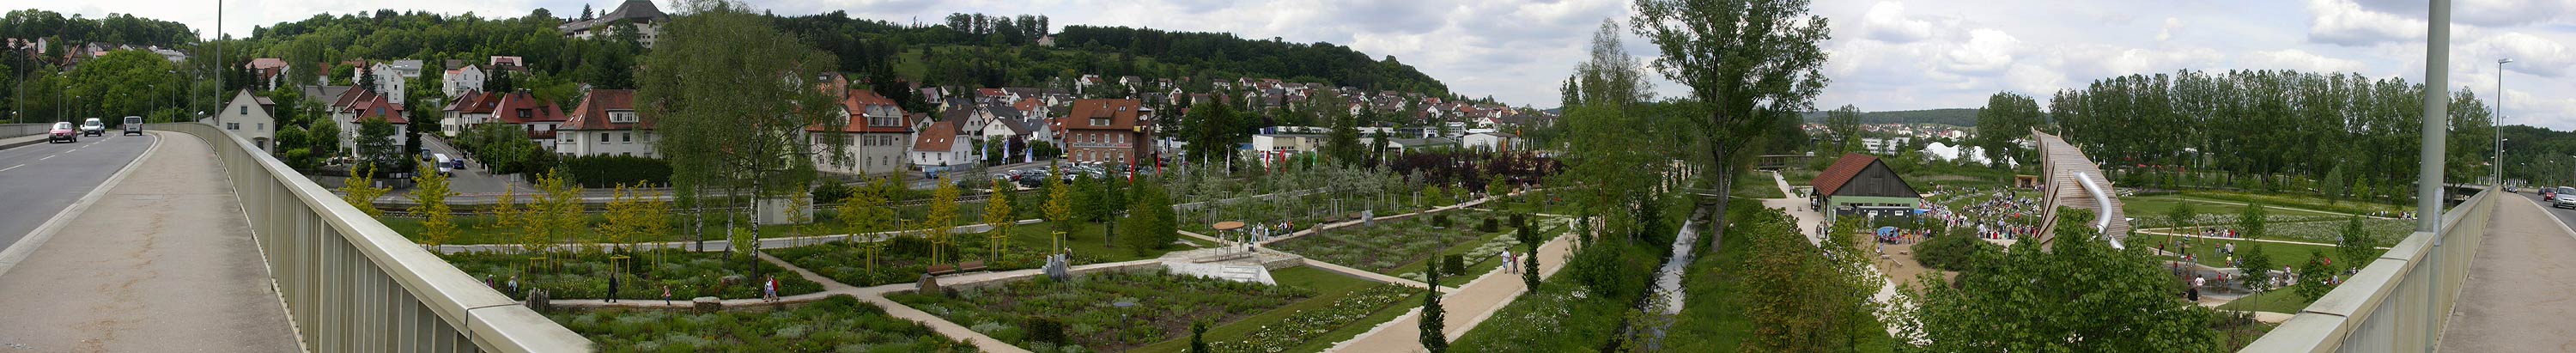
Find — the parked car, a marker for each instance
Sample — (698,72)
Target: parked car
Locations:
(64,132)
(2563,197)
(93,127)
(133,125)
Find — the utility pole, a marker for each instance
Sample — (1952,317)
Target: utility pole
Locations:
(2428,173)
(2499,120)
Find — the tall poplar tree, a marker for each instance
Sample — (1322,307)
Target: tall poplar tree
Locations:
(732,96)
(1748,63)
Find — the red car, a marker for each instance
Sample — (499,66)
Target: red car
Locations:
(64,132)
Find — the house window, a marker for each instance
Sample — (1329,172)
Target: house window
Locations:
(625,137)
(232,126)
(245,110)
(603,138)
(1099,121)
(621,117)
(258,126)
(524,113)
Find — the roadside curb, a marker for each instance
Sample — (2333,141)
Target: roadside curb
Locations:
(9,145)
(14,253)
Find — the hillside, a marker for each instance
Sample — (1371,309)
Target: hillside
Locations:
(1963,117)
(994,51)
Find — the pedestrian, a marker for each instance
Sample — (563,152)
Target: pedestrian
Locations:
(666,295)
(772,291)
(2198,280)
(612,288)
(514,284)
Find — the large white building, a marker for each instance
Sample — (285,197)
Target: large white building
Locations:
(645,18)
(606,124)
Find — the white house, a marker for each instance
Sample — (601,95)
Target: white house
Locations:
(939,148)
(355,105)
(641,13)
(879,135)
(389,80)
(463,79)
(605,124)
(249,116)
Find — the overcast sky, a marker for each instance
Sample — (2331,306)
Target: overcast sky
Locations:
(1887,55)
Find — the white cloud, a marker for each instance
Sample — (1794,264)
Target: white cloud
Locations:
(2489,13)
(1987,51)
(2531,54)
(1886,21)
(2301,60)
(2343,22)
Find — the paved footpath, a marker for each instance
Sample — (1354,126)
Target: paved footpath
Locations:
(1467,306)
(164,262)
(2518,298)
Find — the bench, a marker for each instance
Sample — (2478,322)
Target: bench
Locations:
(969,266)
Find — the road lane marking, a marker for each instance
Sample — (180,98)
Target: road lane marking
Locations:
(12,167)
(47,157)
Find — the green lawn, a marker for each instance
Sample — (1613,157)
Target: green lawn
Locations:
(484,230)
(1757,186)
(2146,207)
(2279,301)
(1330,288)
(2206,249)
(1160,307)
(1399,247)
(1714,317)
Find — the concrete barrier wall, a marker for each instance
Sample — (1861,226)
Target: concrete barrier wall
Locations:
(352,285)
(2399,302)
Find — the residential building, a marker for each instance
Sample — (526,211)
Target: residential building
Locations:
(645,18)
(1277,147)
(271,71)
(250,116)
(878,133)
(606,124)
(355,105)
(389,80)
(537,117)
(1105,130)
(938,147)
(466,110)
(461,80)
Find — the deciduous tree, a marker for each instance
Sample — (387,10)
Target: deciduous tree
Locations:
(2028,301)
(731,97)
(429,191)
(1748,63)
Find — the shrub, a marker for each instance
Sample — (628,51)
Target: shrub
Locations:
(607,171)
(1954,252)
(1491,225)
(1047,330)
(1453,264)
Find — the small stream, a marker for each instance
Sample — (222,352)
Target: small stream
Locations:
(1668,279)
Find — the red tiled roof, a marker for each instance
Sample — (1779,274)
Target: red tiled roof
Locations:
(474,102)
(378,107)
(1122,114)
(538,111)
(938,137)
(592,114)
(857,103)
(1841,173)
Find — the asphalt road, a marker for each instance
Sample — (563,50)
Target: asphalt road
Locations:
(2563,214)
(40,180)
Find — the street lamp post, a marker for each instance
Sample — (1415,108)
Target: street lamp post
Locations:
(2499,120)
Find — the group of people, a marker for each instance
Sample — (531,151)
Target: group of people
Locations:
(1997,213)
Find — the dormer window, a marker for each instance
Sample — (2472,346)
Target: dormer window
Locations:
(1099,121)
(524,113)
(621,116)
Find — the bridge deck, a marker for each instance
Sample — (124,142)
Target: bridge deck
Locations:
(2518,294)
(164,262)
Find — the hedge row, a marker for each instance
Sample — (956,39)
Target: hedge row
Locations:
(609,171)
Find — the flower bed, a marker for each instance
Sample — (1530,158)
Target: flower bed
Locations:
(839,323)
(584,275)
(1160,307)
(1389,245)
(904,259)
(2387,231)
(1304,326)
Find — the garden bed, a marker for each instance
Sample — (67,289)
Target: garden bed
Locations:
(835,324)
(1157,307)
(1390,247)
(904,259)
(1341,301)
(584,275)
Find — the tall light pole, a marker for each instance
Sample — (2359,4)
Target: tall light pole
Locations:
(2499,120)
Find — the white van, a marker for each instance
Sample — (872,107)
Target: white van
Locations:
(445,164)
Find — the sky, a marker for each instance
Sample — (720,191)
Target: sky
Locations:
(1885,55)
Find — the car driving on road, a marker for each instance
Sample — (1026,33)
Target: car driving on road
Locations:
(64,132)
(2562,197)
(93,127)
(133,125)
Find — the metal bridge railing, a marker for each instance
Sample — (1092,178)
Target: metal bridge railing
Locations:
(2399,302)
(352,285)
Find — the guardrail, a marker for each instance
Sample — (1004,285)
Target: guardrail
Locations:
(2399,302)
(352,285)
(16,130)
